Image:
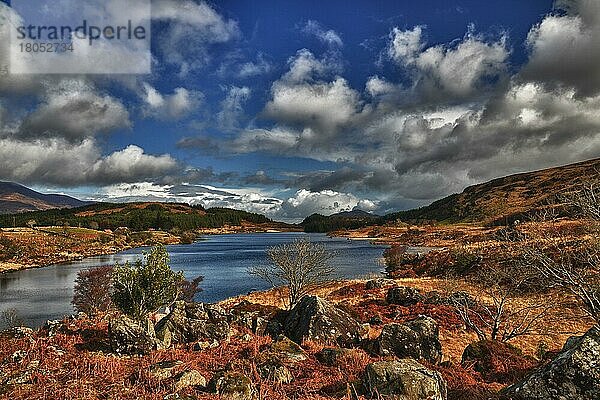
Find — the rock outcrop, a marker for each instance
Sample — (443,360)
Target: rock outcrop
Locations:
(191,322)
(574,374)
(403,296)
(417,339)
(316,319)
(404,379)
(127,336)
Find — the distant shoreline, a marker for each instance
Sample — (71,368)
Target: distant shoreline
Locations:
(69,257)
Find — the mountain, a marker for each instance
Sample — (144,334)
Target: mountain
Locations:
(15,198)
(505,199)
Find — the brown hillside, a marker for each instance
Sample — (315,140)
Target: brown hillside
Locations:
(508,198)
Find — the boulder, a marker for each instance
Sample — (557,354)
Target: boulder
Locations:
(273,369)
(403,296)
(18,332)
(127,336)
(163,369)
(191,322)
(574,374)
(404,379)
(287,350)
(188,378)
(231,385)
(255,317)
(316,319)
(417,339)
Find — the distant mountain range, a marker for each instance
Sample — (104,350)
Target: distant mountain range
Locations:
(15,198)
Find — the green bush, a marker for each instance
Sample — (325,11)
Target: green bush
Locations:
(146,285)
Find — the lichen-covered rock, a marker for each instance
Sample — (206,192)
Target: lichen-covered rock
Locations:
(287,350)
(127,336)
(255,317)
(316,319)
(192,322)
(164,369)
(404,379)
(188,378)
(403,296)
(574,374)
(273,369)
(417,339)
(231,385)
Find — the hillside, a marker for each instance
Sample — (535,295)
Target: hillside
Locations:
(505,199)
(15,198)
(343,220)
(137,217)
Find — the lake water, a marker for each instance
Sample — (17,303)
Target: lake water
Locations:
(45,293)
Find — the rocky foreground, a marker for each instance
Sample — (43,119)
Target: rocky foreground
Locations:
(357,340)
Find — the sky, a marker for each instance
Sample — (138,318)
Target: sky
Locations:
(288,108)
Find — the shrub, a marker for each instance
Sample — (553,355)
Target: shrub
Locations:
(146,285)
(497,361)
(92,290)
(301,265)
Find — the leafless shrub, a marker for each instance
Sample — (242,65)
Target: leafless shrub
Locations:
(301,265)
(567,264)
(504,307)
(11,318)
(92,290)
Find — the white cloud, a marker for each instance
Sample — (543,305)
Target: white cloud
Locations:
(174,106)
(58,162)
(327,36)
(325,202)
(232,106)
(460,70)
(565,49)
(75,111)
(254,68)
(194,26)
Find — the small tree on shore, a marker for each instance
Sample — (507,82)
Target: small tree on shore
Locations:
(146,285)
(301,265)
(92,290)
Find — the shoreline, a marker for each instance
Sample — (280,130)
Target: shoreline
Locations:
(168,239)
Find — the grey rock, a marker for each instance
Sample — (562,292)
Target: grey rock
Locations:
(316,319)
(188,378)
(574,374)
(287,350)
(231,385)
(127,336)
(403,296)
(417,339)
(164,369)
(191,322)
(404,379)
(275,370)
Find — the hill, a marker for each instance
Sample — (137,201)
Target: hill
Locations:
(15,198)
(343,220)
(505,199)
(137,217)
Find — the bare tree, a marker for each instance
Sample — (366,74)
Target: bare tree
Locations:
(503,308)
(301,265)
(566,263)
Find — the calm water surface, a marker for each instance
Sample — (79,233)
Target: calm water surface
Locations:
(45,293)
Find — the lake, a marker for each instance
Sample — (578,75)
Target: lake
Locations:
(45,293)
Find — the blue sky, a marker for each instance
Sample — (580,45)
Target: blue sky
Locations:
(295,107)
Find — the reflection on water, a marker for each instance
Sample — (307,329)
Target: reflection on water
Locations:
(45,293)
